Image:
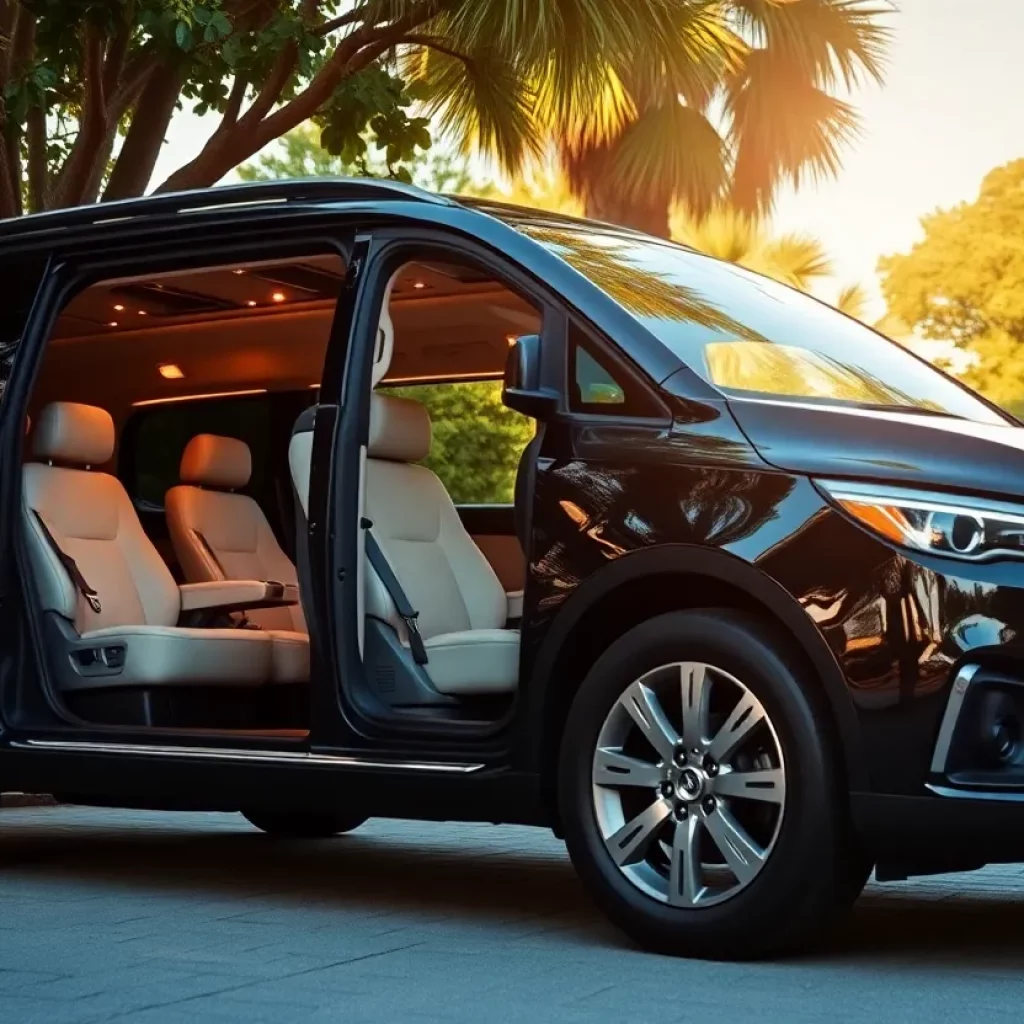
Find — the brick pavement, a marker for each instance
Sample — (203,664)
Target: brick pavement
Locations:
(179,919)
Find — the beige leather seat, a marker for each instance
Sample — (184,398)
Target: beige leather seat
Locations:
(94,532)
(461,603)
(219,535)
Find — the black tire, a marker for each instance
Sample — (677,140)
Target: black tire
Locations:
(304,824)
(812,873)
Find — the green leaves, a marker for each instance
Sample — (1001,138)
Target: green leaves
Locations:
(480,99)
(373,107)
(964,282)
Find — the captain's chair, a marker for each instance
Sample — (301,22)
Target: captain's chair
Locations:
(111,596)
(462,606)
(220,535)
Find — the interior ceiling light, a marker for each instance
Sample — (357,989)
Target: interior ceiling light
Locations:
(251,302)
(278,296)
(419,284)
(111,323)
(118,306)
(239,271)
(142,312)
(511,339)
(170,371)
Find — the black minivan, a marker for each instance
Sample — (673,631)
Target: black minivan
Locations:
(744,626)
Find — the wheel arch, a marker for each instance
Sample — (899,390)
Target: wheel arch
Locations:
(620,596)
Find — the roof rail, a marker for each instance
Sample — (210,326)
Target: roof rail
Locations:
(288,190)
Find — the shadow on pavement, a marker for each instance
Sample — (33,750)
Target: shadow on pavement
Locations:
(973,918)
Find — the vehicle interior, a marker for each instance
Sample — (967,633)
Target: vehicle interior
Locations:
(165,481)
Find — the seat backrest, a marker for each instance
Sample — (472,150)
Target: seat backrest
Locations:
(220,535)
(447,579)
(91,518)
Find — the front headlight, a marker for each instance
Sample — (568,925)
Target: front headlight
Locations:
(967,528)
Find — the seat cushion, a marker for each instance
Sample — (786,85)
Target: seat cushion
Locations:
(474,662)
(161,655)
(289,656)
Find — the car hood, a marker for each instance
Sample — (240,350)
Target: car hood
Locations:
(917,450)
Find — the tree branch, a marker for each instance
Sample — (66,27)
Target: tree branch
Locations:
(77,172)
(35,135)
(116,51)
(340,22)
(226,150)
(234,104)
(20,28)
(435,44)
(9,10)
(136,74)
(150,119)
(272,88)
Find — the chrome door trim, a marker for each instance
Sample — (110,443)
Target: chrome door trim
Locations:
(257,756)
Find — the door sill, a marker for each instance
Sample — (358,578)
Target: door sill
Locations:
(282,757)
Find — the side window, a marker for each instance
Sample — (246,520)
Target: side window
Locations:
(594,384)
(595,388)
(155,438)
(477,441)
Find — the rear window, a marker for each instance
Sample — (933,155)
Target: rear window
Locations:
(156,437)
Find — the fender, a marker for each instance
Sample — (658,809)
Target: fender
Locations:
(690,560)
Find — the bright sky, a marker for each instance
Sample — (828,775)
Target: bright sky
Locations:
(951,110)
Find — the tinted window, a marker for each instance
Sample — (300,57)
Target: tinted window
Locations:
(476,440)
(158,435)
(595,388)
(749,335)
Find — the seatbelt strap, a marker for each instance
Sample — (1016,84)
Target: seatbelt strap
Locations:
(381,566)
(204,544)
(71,567)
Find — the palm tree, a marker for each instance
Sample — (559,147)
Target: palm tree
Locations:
(853,301)
(729,234)
(743,101)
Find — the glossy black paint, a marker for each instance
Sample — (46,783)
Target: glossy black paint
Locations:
(896,627)
(936,452)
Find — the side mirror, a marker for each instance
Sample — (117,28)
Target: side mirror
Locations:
(521,388)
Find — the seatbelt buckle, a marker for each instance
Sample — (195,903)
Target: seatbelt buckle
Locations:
(416,645)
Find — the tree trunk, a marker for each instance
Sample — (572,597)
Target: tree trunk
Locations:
(10,177)
(650,215)
(150,120)
(37,162)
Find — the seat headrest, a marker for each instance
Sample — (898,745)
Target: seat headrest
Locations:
(399,429)
(214,461)
(82,435)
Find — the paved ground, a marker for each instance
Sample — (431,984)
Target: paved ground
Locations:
(179,919)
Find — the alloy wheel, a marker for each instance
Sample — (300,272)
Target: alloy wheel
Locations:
(689,784)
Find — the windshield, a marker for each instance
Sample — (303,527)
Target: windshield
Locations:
(749,335)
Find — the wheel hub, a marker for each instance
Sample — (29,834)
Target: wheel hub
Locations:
(690,785)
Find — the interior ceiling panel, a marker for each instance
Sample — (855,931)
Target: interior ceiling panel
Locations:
(449,322)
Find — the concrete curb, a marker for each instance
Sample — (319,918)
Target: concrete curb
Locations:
(26,800)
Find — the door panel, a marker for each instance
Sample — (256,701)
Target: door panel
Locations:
(493,529)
